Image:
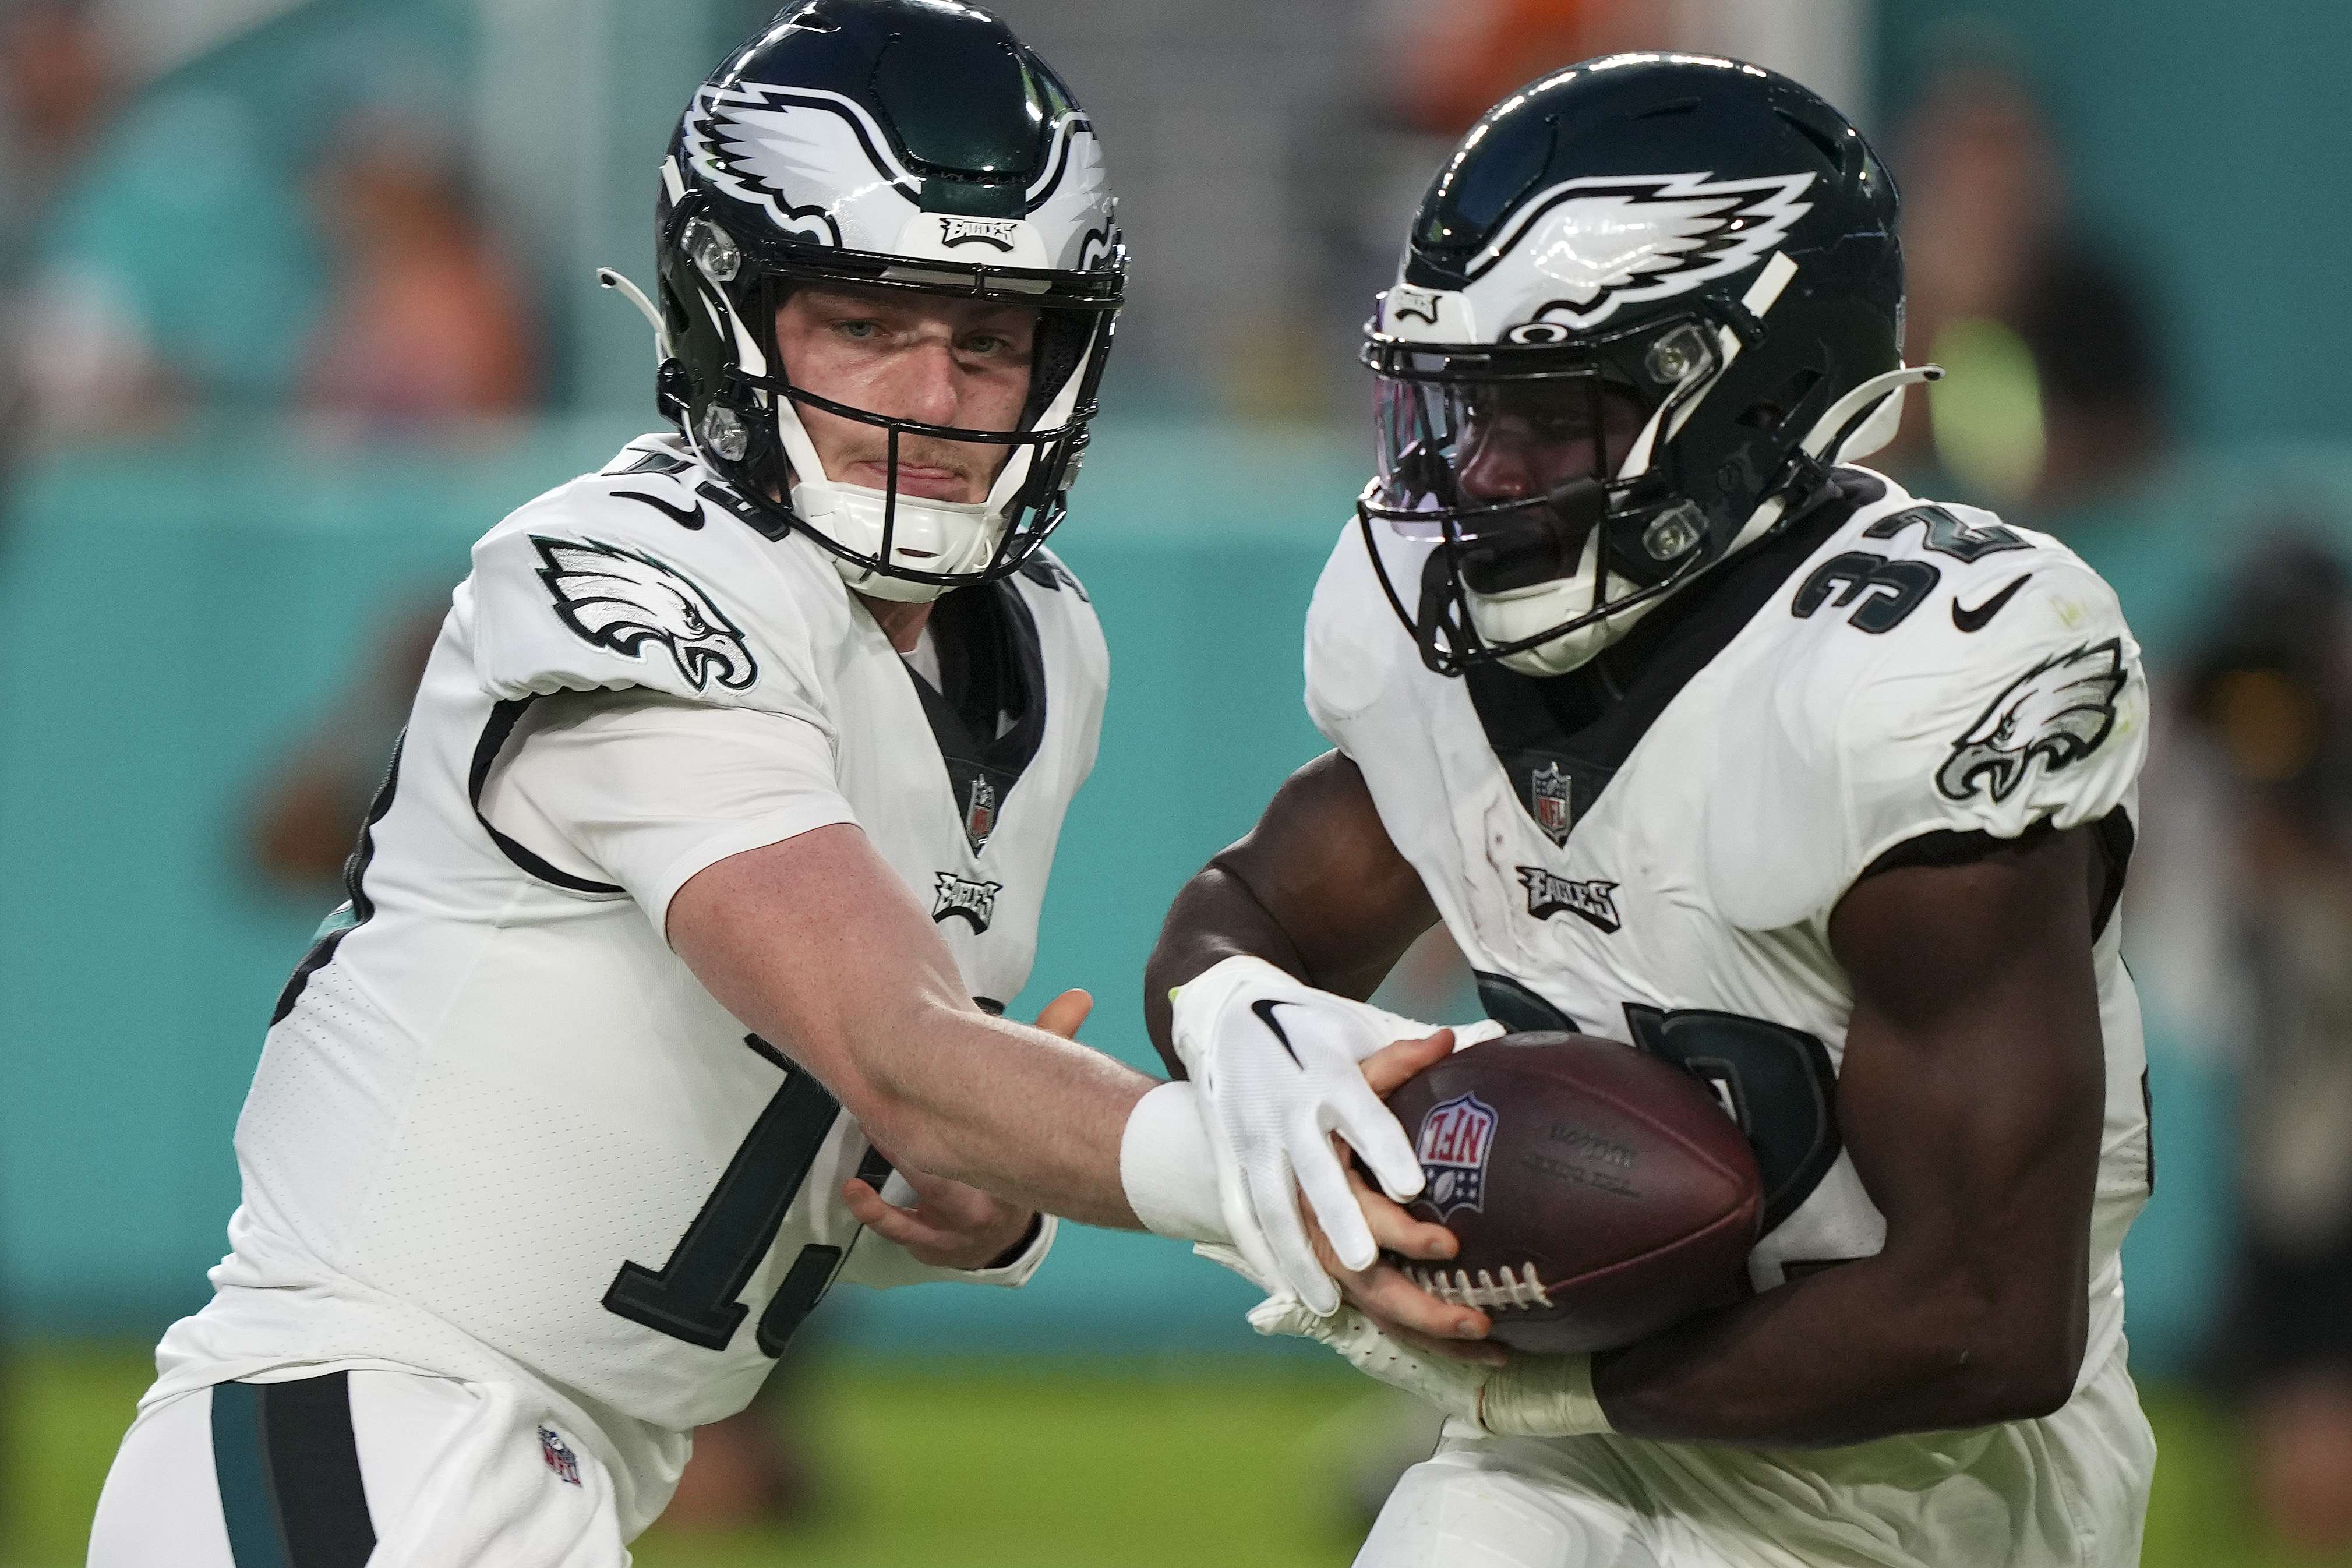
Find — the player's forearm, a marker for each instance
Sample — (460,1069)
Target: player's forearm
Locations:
(815,944)
(1028,1116)
(1862,1350)
(1214,918)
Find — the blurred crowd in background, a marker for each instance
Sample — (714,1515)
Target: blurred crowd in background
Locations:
(376,222)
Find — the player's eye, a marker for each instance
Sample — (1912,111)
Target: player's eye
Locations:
(859,329)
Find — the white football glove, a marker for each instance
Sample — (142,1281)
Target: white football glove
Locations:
(1275,1061)
(1527,1397)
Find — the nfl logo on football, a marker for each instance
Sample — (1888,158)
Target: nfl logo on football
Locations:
(1455,1139)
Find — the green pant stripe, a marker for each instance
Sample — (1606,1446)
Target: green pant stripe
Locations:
(241,1470)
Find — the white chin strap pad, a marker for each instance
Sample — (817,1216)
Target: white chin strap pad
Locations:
(1524,612)
(925,535)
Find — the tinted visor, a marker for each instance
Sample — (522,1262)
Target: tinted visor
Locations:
(1515,471)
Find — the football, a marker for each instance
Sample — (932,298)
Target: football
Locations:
(1599,1193)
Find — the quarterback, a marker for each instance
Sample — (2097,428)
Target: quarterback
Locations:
(1698,736)
(666,996)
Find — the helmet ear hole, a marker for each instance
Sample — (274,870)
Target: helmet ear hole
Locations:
(1772,411)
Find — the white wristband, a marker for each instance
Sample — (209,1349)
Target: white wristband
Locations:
(1169,1169)
(1542,1396)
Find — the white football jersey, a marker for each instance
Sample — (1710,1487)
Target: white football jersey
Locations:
(499,1131)
(1661,869)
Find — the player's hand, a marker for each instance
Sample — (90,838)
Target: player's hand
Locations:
(1275,1062)
(1067,1014)
(949,1224)
(1512,1395)
(1385,1294)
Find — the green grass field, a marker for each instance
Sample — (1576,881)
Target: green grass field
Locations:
(1036,1464)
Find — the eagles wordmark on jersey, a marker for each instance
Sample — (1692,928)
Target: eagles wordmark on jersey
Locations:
(499,1130)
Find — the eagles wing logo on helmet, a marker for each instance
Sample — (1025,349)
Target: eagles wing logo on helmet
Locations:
(764,146)
(622,600)
(1608,241)
(1074,191)
(2061,709)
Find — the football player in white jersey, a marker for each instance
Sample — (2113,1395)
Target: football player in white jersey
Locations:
(716,839)
(1697,736)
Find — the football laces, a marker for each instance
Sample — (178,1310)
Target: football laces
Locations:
(1458,1289)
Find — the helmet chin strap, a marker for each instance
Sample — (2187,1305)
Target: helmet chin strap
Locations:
(1855,425)
(945,536)
(965,534)
(1520,613)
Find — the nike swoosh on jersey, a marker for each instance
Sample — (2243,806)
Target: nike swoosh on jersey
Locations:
(685,517)
(1265,1011)
(1974,620)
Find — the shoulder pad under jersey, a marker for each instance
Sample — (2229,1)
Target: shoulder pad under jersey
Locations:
(632,578)
(2006,691)
(1356,646)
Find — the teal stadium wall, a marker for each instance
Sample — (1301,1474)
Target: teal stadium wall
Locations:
(2206,142)
(174,627)
(177,627)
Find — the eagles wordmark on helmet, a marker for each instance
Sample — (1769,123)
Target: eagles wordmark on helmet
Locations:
(999,232)
(2060,710)
(623,599)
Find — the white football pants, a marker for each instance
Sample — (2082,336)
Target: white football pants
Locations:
(382,1468)
(2067,1491)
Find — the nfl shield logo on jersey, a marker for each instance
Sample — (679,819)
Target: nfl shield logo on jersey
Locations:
(1455,1139)
(1548,796)
(559,1456)
(980,816)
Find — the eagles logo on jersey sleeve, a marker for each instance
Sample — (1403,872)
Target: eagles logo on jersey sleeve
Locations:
(617,580)
(1966,678)
(640,606)
(2041,713)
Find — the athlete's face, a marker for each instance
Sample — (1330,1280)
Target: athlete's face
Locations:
(1526,439)
(908,356)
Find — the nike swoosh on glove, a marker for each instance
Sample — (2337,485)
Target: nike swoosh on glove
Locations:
(1276,1064)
